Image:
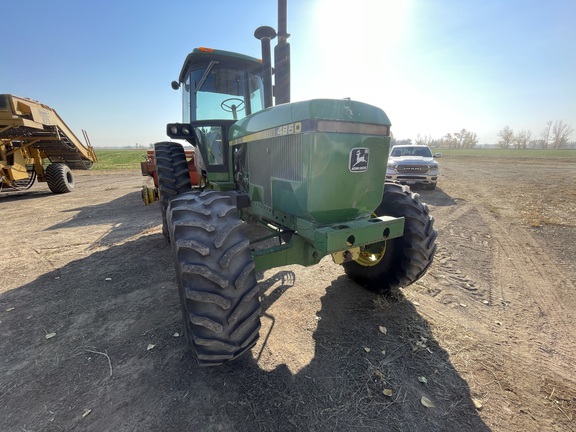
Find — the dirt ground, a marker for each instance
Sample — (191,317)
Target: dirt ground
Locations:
(91,335)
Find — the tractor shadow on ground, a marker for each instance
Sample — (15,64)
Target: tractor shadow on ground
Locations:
(97,345)
(286,279)
(370,353)
(124,217)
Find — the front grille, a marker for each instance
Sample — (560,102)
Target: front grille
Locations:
(412,169)
(279,157)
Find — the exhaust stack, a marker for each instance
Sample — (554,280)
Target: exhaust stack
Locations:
(282,57)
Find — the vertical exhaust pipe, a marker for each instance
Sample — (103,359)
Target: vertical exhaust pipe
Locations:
(265,34)
(282,57)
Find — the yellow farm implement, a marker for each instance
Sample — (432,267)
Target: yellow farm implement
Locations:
(35,143)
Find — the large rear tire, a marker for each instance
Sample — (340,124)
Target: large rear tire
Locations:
(219,293)
(59,178)
(401,261)
(173,175)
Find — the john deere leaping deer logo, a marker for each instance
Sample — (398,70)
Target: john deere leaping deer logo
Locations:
(358,159)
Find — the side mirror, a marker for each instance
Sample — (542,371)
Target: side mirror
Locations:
(437,155)
(175,85)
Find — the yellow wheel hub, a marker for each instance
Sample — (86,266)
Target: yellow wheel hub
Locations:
(372,256)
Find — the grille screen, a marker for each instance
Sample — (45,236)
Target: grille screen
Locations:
(279,157)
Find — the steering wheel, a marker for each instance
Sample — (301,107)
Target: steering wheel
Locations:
(226,106)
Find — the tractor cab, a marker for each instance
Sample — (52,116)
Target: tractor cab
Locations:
(220,85)
(218,88)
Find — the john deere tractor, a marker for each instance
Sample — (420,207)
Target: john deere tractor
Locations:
(311,173)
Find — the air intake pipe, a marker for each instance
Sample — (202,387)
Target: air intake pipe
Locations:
(265,34)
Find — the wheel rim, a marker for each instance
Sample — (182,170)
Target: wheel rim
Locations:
(372,255)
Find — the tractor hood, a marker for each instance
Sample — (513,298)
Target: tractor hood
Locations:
(322,160)
(340,110)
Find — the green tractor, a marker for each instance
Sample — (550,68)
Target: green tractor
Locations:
(312,174)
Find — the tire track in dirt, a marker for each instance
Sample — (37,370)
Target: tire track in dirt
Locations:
(514,282)
(535,363)
(446,216)
(528,276)
(462,241)
(525,280)
(518,318)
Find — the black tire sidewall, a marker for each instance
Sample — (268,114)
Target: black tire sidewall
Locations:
(211,249)
(59,178)
(406,258)
(173,175)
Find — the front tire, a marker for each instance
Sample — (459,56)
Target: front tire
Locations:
(173,175)
(401,261)
(219,294)
(59,178)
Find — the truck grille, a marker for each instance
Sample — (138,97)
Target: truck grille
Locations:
(412,169)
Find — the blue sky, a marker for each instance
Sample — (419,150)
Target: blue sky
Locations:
(434,66)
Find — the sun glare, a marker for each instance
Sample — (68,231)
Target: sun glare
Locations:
(361,26)
(349,45)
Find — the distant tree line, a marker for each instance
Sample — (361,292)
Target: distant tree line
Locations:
(463,139)
(555,135)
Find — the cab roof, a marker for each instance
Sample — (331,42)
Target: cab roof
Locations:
(203,56)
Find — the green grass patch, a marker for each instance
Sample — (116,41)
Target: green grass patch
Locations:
(508,153)
(130,158)
(119,159)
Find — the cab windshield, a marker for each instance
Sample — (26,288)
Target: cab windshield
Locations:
(218,93)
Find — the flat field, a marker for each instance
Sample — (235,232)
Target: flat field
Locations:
(91,335)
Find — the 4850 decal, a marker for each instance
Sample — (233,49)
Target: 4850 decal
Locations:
(289,129)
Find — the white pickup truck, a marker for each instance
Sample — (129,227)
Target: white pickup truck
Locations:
(413,165)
